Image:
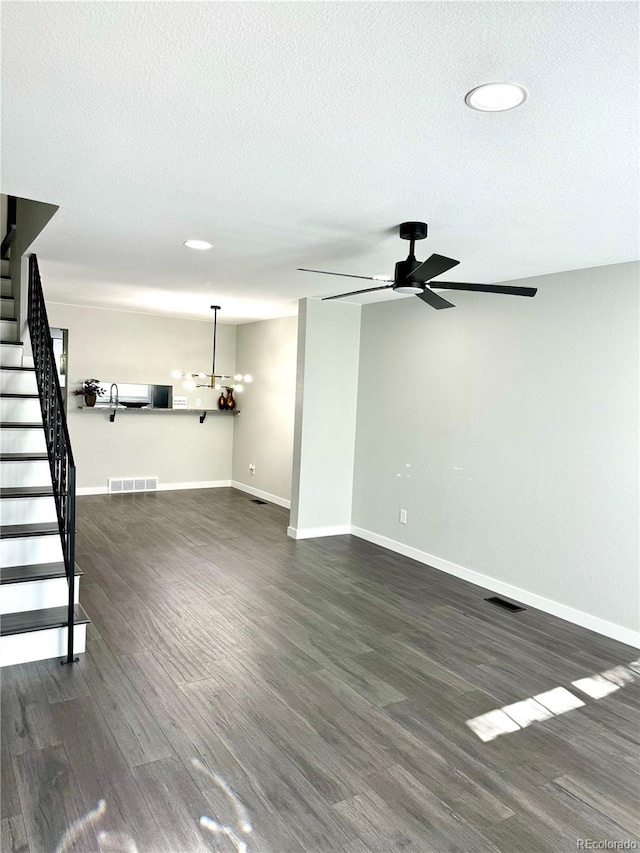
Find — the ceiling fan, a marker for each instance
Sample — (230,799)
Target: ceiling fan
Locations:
(412,276)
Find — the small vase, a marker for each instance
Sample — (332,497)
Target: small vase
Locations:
(222,402)
(231,403)
(90,400)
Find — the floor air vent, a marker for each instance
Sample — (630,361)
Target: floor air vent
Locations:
(257,501)
(506,605)
(132,484)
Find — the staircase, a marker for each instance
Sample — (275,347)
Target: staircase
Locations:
(40,616)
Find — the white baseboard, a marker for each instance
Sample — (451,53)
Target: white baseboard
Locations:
(547,605)
(162,487)
(204,484)
(315,532)
(258,493)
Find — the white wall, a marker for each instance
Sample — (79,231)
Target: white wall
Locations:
(263,433)
(118,346)
(508,429)
(324,431)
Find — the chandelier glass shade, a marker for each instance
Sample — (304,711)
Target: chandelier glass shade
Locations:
(213,381)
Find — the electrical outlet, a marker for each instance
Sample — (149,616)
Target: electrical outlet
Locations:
(403,516)
(252,468)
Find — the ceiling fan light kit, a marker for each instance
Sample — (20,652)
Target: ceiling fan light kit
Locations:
(414,277)
(409,288)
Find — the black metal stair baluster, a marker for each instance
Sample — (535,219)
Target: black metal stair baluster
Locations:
(61,463)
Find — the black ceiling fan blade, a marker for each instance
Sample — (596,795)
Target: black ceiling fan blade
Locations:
(434,299)
(435,265)
(355,292)
(343,274)
(487,288)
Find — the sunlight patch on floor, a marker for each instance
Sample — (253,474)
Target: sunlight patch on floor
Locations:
(558,700)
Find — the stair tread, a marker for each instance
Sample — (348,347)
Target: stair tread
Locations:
(40,620)
(20,425)
(23,457)
(26,492)
(18,395)
(9,367)
(17,531)
(35,572)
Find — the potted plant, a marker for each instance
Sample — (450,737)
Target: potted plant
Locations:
(90,390)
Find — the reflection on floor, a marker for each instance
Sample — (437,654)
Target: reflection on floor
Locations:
(118,841)
(242,821)
(242,691)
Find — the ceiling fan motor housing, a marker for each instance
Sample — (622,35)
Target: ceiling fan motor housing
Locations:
(403,282)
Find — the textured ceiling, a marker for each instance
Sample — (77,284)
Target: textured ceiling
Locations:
(299,134)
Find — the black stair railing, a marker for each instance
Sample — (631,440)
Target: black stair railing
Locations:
(63,469)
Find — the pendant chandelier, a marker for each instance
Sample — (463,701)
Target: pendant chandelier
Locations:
(215,381)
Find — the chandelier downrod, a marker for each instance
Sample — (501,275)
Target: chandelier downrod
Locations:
(215,309)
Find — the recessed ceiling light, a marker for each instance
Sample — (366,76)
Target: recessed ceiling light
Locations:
(197,244)
(496,97)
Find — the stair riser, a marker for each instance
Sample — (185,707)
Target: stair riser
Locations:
(7,308)
(8,330)
(5,287)
(22,441)
(25,473)
(28,550)
(40,645)
(11,356)
(17,382)
(27,510)
(20,411)
(36,595)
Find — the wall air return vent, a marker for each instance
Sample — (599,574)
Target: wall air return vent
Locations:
(127,485)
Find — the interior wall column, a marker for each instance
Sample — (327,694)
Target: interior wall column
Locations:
(325,420)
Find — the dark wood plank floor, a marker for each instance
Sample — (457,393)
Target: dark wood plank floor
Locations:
(245,692)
